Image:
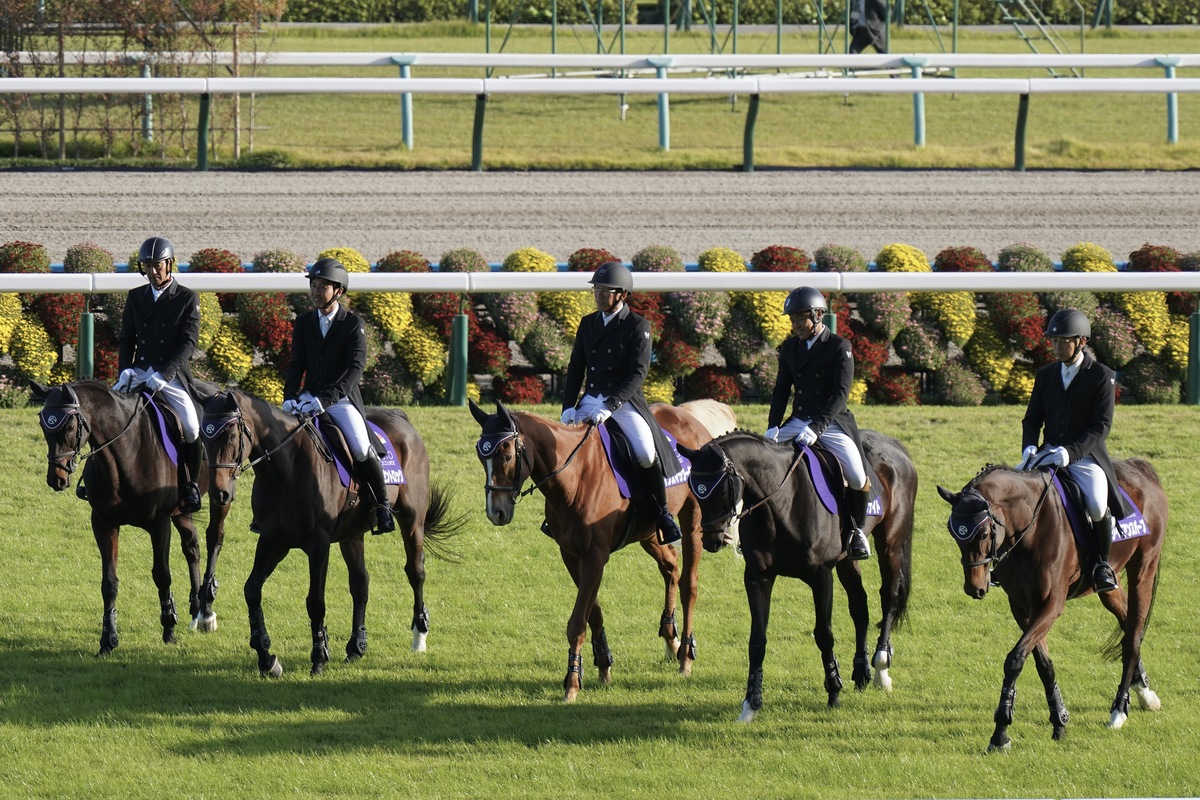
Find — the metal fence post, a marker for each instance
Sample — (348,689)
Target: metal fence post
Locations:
(405,61)
(915,63)
(202,133)
(85,349)
(1193,373)
(147,108)
(456,392)
(1022,121)
(748,136)
(477,133)
(660,64)
(1169,63)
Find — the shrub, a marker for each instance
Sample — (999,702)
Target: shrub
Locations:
(514,313)
(657,258)
(265,382)
(720,259)
(870,352)
(530,259)
(961,259)
(989,353)
(23,258)
(765,312)
(388,382)
(1158,258)
(901,258)
(1023,258)
(589,259)
(885,313)
(439,309)
(954,312)
(1087,257)
(895,387)
(277,260)
(700,316)
(88,257)
(1150,317)
(519,388)
(1085,302)
(762,379)
(60,314)
(674,355)
(1017,316)
(839,258)
(1113,337)
(741,346)
(1174,354)
(1019,385)
(220,261)
(351,259)
(1150,381)
(956,385)
(403,261)
(546,346)
(658,388)
(423,351)
(266,321)
(464,259)
(780,258)
(230,353)
(105,356)
(391,311)
(920,347)
(14,390)
(487,353)
(32,350)
(715,383)
(649,305)
(566,308)
(210,320)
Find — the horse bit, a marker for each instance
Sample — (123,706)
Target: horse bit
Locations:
(488,444)
(970,531)
(54,417)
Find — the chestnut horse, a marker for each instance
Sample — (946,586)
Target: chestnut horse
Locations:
(129,480)
(754,493)
(299,502)
(1013,532)
(589,519)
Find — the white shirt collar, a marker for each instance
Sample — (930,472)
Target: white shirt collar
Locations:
(157,292)
(1069,371)
(608,317)
(328,318)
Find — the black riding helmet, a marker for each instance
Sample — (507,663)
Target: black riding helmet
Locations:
(1067,323)
(614,275)
(153,250)
(803,299)
(330,269)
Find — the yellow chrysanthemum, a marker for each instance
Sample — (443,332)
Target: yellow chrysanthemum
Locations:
(32,350)
(1149,315)
(473,392)
(1019,385)
(62,373)
(351,259)
(720,259)
(530,259)
(658,388)
(989,353)
(1088,257)
(858,392)
(210,320)
(423,351)
(230,353)
(902,258)
(265,382)
(391,311)
(766,309)
(567,308)
(1176,345)
(10,316)
(954,312)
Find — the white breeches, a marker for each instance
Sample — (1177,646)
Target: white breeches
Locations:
(836,441)
(1090,478)
(177,398)
(641,438)
(345,416)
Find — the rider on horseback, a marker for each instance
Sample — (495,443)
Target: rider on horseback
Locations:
(612,351)
(159,330)
(329,352)
(819,366)
(1073,401)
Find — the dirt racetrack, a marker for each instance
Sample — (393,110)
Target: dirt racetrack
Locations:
(559,212)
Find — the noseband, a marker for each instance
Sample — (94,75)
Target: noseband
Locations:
(213,425)
(489,443)
(971,527)
(54,418)
(703,484)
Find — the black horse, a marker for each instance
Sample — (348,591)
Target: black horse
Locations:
(759,493)
(130,480)
(300,503)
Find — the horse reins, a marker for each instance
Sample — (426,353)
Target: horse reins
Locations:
(733,516)
(236,417)
(494,442)
(993,559)
(76,456)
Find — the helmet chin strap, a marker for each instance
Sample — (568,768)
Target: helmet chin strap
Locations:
(336,294)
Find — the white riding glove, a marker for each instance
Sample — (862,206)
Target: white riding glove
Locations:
(313,407)
(1055,457)
(1026,457)
(806,437)
(599,416)
(156,381)
(291,407)
(125,380)
(772,434)
(569,416)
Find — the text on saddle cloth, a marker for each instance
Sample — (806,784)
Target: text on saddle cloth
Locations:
(820,479)
(622,468)
(1130,527)
(393,474)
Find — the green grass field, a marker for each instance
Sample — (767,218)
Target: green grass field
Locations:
(590,132)
(480,714)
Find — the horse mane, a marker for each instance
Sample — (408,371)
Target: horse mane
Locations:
(741,433)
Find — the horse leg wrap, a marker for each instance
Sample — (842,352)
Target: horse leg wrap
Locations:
(690,644)
(862,671)
(1121,703)
(754,690)
(1140,676)
(421,620)
(574,667)
(666,627)
(320,648)
(167,615)
(108,632)
(833,681)
(601,656)
(1004,711)
(1058,710)
(208,591)
(260,640)
(357,646)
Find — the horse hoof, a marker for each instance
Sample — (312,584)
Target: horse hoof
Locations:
(1059,733)
(883,680)
(273,671)
(571,694)
(205,623)
(1117,720)
(606,676)
(835,700)
(1147,698)
(169,636)
(881,660)
(685,668)
(1003,747)
(418,645)
(673,649)
(748,713)
(317,670)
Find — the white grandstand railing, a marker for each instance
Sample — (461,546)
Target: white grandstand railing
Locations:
(734,68)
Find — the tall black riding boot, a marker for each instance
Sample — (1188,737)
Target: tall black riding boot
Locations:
(371,473)
(668,530)
(191,462)
(1104,579)
(857,548)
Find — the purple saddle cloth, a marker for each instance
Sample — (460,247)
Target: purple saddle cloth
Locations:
(622,470)
(1131,527)
(165,431)
(824,491)
(393,475)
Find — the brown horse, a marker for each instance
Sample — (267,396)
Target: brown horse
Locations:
(299,502)
(1013,532)
(130,480)
(589,519)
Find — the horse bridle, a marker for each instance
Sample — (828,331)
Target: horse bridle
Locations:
(972,529)
(54,417)
(702,485)
(214,424)
(489,443)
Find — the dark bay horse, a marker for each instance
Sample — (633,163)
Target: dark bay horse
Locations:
(1013,532)
(299,502)
(130,480)
(755,494)
(589,519)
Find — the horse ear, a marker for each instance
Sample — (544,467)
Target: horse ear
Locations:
(947,495)
(478,413)
(39,390)
(687,452)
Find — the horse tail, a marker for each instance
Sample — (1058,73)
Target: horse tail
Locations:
(440,526)
(1111,651)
